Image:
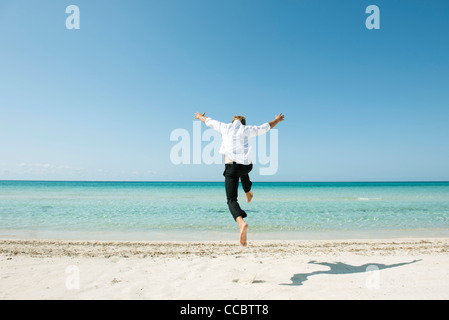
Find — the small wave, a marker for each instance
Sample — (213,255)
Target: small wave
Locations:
(369,199)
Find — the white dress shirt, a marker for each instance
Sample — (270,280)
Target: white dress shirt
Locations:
(236,139)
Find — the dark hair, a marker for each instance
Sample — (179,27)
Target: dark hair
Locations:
(242,119)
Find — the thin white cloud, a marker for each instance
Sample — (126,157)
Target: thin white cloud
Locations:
(50,171)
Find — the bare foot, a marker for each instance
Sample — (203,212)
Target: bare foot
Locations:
(249,196)
(243,232)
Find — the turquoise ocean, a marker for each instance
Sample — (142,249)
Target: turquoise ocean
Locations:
(198,211)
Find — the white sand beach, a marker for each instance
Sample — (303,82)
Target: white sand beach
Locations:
(307,269)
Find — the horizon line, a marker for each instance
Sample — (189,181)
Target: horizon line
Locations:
(208,181)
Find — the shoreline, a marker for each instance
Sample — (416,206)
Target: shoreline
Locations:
(209,235)
(143,249)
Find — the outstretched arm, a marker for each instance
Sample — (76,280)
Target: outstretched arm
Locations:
(201,117)
(214,124)
(277,119)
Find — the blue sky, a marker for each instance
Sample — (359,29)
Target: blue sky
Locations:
(99,103)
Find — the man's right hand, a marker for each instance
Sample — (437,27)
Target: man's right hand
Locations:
(277,119)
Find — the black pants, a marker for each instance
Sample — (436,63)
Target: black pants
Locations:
(233,172)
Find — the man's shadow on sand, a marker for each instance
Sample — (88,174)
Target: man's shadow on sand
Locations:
(340,268)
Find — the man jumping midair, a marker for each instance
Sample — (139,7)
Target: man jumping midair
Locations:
(236,149)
